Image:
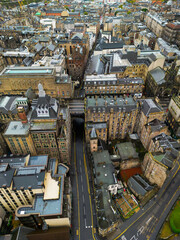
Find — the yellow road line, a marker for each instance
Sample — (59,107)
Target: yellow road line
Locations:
(144,212)
(87,179)
(77,186)
(166,207)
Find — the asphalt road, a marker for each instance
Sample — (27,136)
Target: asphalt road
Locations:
(147,222)
(83,219)
(144,225)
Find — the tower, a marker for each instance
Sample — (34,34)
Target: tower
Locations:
(93,141)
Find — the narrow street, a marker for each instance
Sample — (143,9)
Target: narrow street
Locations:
(83,218)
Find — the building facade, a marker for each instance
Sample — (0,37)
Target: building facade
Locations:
(119,113)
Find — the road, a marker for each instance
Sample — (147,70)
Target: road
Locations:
(146,224)
(83,219)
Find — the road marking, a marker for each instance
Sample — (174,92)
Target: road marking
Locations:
(87,179)
(165,208)
(148,220)
(146,210)
(77,186)
(134,238)
(140,231)
(83,198)
(82,189)
(84,209)
(81,178)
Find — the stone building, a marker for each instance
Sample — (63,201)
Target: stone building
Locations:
(100,128)
(18,138)
(155,166)
(149,110)
(155,23)
(49,130)
(16,81)
(109,84)
(163,142)
(128,156)
(151,130)
(119,113)
(93,141)
(76,51)
(173,117)
(9,107)
(171,33)
(36,189)
(125,64)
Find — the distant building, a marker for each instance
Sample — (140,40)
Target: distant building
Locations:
(16,81)
(109,84)
(173,117)
(171,33)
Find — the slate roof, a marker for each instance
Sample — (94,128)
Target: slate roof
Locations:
(35,180)
(6,177)
(156,125)
(158,75)
(8,103)
(139,185)
(114,45)
(167,142)
(149,106)
(41,102)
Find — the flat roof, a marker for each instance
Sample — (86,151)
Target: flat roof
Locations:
(17,128)
(27,70)
(38,160)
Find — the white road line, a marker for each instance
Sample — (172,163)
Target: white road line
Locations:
(82,189)
(148,220)
(84,210)
(83,198)
(81,178)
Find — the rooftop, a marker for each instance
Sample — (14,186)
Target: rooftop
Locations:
(27,70)
(126,151)
(17,128)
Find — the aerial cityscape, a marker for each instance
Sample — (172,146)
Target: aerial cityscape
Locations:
(90,120)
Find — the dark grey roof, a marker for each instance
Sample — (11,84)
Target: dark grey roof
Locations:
(35,180)
(139,185)
(96,65)
(158,75)
(43,102)
(8,103)
(167,142)
(6,177)
(114,45)
(156,125)
(149,106)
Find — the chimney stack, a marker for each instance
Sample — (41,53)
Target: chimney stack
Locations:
(22,114)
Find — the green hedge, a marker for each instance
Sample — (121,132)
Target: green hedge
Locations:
(175,219)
